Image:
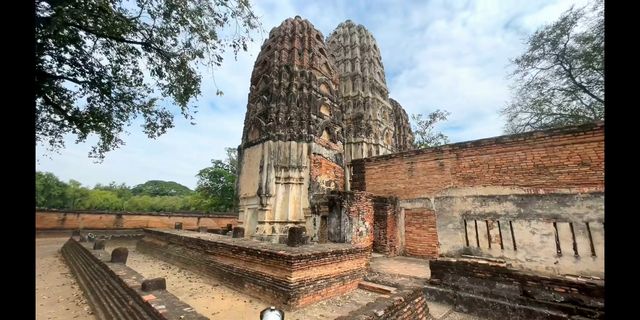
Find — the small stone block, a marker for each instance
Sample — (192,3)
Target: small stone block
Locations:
(154,284)
(178,226)
(296,236)
(99,244)
(203,229)
(148,297)
(238,232)
(119,255)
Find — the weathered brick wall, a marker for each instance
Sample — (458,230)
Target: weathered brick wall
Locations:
(542,161)
(385,225)
(495,291)
(114,290)
(288,277)
(49,220)
(359,209)
(407,304)
(326,173)
(421,235)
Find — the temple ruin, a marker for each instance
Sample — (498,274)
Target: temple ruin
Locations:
(511,226)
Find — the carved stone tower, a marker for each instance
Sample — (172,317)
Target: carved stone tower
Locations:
(292,143)
(373,125)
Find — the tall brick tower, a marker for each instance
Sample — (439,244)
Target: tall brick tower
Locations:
(291,154)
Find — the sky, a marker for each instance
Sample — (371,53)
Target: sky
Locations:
(449,55)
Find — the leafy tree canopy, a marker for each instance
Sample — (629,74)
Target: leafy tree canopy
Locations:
(156,188)
(423,129)
(102,63)
(50,191)
(559,79)
(216,184)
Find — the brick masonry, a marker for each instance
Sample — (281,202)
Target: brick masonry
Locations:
(288,277)
(385,225)
(421,235)
(66,220)
(567,160)
(409,304)
(541,161)
(494,290)
(114,290)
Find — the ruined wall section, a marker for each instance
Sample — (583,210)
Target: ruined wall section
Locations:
(569,159)
(533,200)
(293,123)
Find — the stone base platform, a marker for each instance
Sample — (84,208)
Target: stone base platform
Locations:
(287,277)
(495,291)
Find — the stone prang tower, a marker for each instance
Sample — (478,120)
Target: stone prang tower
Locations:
(373,124)
(292,144)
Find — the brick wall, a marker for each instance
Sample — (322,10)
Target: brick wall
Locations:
(494,291)
(61,220)
(287,277)
(385,225)
(407,304)
(358,207)
(114,290)
(421,235)
(542,161)
(328,175)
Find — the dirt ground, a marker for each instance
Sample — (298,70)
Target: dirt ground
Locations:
(59,297)
(57,294)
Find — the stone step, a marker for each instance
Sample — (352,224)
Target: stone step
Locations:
(374,287)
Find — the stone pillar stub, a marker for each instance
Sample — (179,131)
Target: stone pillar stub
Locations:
(120,255)
(238,232)
(154,284)
(297,236)
(99,244)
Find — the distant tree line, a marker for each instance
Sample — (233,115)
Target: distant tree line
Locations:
(214,193)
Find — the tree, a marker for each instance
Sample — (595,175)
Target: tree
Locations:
(75,193)
(50,191)
(559,80)
(157,188)
(100,64)
(217,184)
(424,131)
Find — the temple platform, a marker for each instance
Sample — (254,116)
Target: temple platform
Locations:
(287,277)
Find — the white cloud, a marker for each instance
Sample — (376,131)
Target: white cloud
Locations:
(451,55)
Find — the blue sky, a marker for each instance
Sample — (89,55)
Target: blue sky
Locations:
(451,55)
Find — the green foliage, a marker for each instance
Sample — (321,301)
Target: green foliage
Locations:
(217,185)
(75,193)
(101,64)
(215,192)
(161,188)
(559,80)
(101,200)
(50,191)
(423,129)
(121,190)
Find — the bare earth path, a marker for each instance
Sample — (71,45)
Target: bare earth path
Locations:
(57,294)
(59,297)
